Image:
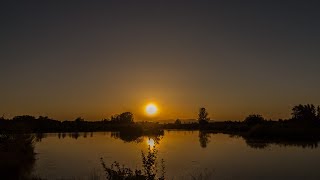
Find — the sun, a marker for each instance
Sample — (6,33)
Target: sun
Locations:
(151,109)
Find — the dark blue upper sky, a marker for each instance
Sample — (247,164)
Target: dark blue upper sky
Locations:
(95,58)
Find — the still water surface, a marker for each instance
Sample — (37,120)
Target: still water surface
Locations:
(186,154)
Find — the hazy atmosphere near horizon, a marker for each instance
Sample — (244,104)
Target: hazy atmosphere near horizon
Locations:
(71,58)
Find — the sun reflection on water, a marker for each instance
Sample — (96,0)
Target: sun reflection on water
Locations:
(150,142)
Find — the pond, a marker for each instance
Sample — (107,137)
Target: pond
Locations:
(186,154)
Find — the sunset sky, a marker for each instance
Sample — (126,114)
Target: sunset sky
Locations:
(70,58)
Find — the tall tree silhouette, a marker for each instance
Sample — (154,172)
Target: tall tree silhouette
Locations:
(304,113)
(203,116)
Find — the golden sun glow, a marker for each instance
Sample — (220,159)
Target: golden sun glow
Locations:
(151,109)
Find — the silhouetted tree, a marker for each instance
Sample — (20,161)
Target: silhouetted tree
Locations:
(79,119)
(126,117)
(304,113)
(254,119)
(114,118)
(203,116)
(24,118)
(17,155)
(123,118)
(177,122)
(2,118)
(43,118)
(318,113)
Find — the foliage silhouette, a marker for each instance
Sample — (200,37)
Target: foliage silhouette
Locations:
(254,119)
(79,120)
(306,113)
(123,118)
(28,123)
(149,171)
(17,156)
(177,122)
(304,125)
(203,116)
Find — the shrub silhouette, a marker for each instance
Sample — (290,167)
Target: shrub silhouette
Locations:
(79,120)
(17,156)
(150,170)
(254,119)
(123,118)
(24,118)
(177,122)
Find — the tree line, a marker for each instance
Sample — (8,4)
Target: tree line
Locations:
(308,113)
(302,115)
